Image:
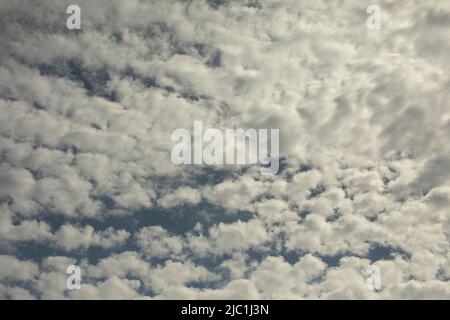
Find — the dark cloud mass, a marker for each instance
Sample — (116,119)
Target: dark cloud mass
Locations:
(85,138)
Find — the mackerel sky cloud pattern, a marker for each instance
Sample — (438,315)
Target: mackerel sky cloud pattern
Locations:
(86,178)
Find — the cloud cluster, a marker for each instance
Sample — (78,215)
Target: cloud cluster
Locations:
(86,178)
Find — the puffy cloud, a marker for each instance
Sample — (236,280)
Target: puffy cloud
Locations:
(85,125)
(176,274)
(114,288)
(25,230)
(15,269)
(157,242)
(70,237)
(180,196)
(229,238)
(236,194)
(15,293)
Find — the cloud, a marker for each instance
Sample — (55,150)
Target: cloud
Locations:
(180,196)
(85,170)
(157,242)
(14,269)
(69,237)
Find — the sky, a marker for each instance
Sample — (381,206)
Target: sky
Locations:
(86,176)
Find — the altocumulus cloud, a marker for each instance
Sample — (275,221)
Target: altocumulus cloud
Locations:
(85,171)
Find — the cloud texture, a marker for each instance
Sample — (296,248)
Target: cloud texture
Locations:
(85,171)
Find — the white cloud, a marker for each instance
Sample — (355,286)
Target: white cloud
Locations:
(70,237)
(15,269)
(156,242)
(181,195)
(85,140)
